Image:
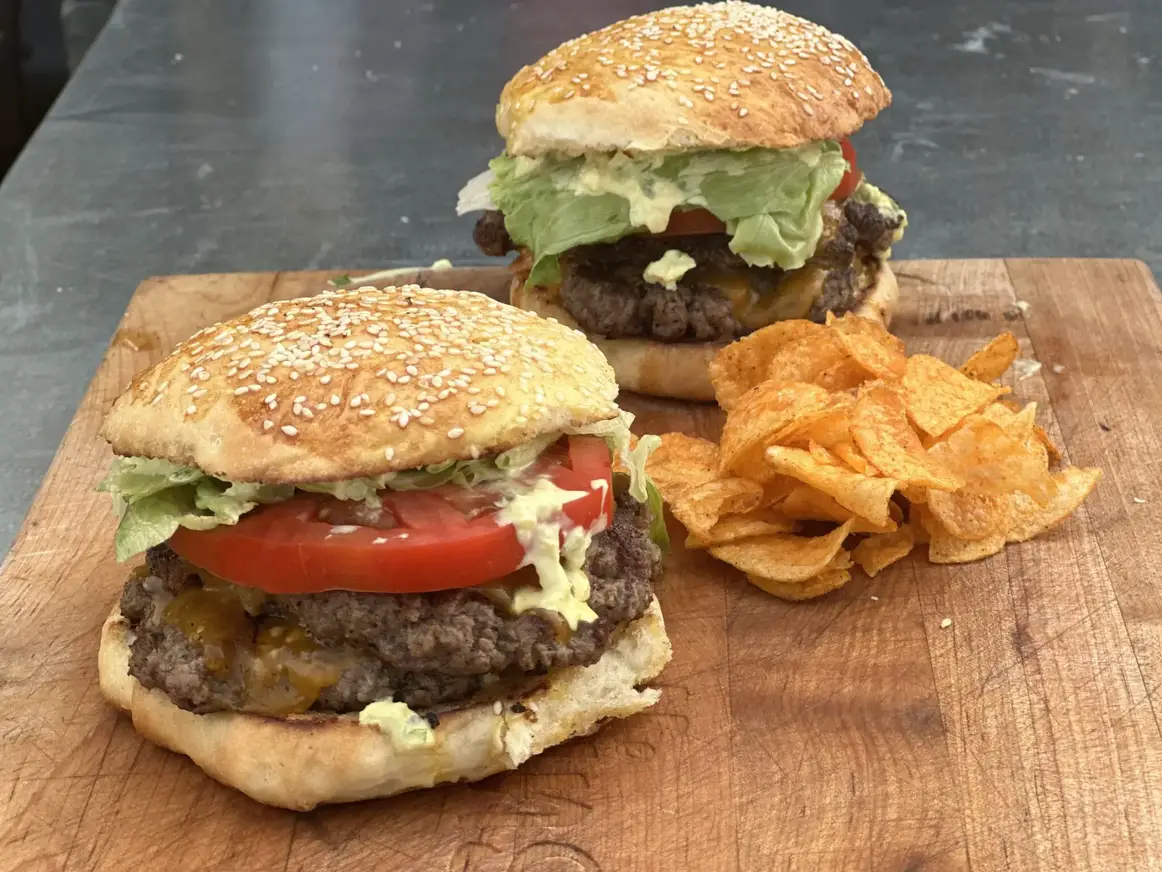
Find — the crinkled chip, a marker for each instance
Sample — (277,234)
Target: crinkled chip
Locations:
(991,460)
(873,356)
(807,504)
(879,426)
(853,324)
(881,550)
(1052,452)
(989,363)
(763,522)
(920,519)
(939,397)
(761,416)
(775,489)
(969,515)
(784,557)
(1027,519)
(816,586)
(827,427)
(863,495)
(807,359)
(741,365)
(849,454)
(700,507)
(681,462)
(822,455)
(943,547)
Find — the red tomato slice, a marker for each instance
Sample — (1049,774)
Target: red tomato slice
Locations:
(444,538)
(852,177)
(692,222)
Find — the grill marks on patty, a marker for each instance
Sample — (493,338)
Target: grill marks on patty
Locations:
(603,289)
(426,650)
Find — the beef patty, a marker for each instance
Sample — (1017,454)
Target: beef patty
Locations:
(425,650)
(602,286)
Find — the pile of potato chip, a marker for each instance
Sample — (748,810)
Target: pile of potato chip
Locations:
(838,450)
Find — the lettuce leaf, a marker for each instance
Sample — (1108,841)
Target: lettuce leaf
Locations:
(770,199)
(153,498)
(658,532)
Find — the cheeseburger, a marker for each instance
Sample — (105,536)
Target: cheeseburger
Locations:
(682,178)
(391,538)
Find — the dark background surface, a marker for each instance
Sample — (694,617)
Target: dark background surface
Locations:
(287,134)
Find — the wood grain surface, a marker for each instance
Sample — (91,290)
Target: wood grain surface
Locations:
(851,732)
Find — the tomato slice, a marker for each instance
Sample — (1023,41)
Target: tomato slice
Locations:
(438,539)
(692,222)
(852,177)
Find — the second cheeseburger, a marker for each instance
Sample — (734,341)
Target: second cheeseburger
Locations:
(386,544)
(682,178)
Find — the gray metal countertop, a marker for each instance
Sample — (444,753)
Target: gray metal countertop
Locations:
(282,134)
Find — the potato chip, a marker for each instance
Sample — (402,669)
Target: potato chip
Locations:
(1053,453)
(681,462)
(827,427)
(807,504)
(763,522)
(843,376)
(871,355)
(914,495)
(1028,519)
(808,360)
(1001,414)
(849,454)
(879,551)
(879,426)
(700,507)
(943,547)
(989,363)
(938,397)
(784,557)
(865,496)
(822,455)
(853,324)
(763,414)
(775,489)
(992,461)
(920,520)
(741,365)
(816,586)
(969,515)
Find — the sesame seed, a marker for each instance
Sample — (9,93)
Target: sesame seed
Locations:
(389,453)
(289,430)
(268,424)
(455,432)
(240,391)
(191,409)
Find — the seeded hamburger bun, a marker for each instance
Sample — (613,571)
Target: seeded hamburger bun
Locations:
(306,760)
(717,75)
(679,369)
(359,383)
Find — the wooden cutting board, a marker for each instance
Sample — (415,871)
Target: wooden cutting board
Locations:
(852,732)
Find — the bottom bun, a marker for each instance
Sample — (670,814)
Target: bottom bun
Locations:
(302,761)
(679,369)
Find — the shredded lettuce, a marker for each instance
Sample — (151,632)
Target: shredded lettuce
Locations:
(770,199)
(155,497)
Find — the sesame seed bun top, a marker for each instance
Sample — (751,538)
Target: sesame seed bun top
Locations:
(717,75)
(358,383)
